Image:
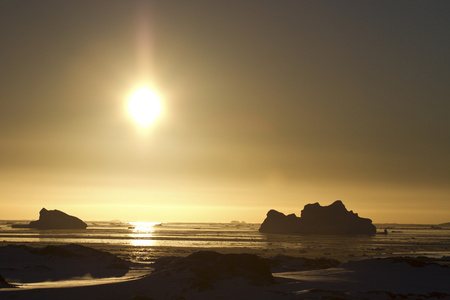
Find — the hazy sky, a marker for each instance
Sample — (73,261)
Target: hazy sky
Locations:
(266,104)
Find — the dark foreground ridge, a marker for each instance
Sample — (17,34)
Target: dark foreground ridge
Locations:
(317,219)
(54,219)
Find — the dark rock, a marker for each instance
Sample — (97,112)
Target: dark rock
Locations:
(283,263)
(53,251)
(54,219)
(209,267)
(419,261)
(53,263)
(317,219)
(5,284)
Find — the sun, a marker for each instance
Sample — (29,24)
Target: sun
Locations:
(144,106)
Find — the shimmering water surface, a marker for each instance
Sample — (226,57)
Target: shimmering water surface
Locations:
(145,240)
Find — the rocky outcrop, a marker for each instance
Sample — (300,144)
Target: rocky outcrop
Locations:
(25,264)
(204,269)
(283,263)
(54,219)
(5,284)
(317,219)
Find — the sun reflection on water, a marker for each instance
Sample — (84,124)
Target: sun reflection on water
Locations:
(143,226)
(138,242)
(142,233)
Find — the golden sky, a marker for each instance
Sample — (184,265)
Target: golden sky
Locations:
(265,104)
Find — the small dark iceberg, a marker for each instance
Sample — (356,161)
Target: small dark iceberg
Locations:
(317,219)
(54,219)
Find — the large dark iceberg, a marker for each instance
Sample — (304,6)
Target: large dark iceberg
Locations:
(317,219)
(54,219)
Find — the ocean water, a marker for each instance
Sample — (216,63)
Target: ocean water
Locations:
(146,241)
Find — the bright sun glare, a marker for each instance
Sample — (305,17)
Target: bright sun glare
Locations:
(144,106)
